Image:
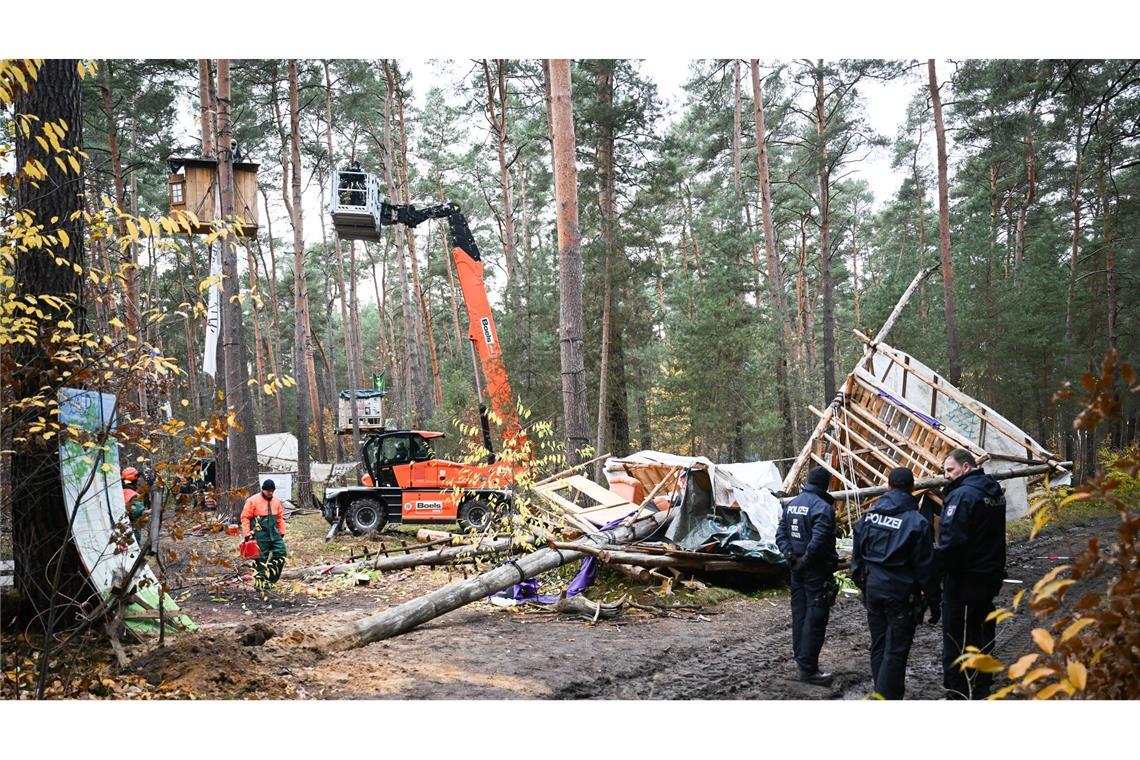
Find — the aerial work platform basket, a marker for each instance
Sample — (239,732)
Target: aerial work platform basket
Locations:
(354,204)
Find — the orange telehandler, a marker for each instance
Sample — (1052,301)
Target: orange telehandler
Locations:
(404,480)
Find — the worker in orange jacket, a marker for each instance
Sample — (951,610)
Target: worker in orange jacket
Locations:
(263,519)
(136,506)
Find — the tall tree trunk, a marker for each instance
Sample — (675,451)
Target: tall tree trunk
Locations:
(302,349)
(46,568)
(604,88)
(499,124)
(741,204)
(259,351)
(418,288)
(420,389)
(275,355)
(206,109)
(241,444)
(453,299)
(1110,259)
(920,202)
(788,342)
(130,284)
(352,355)
(1074,256)
(569,262)
(824,171)
(954,361)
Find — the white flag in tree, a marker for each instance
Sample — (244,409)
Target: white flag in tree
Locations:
(213,321)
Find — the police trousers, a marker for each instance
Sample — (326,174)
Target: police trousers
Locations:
(811,608)
(966,601)
(892,631)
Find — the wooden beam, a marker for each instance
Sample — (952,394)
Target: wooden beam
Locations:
(929,483)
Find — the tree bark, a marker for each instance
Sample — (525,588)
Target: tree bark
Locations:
(569,262)
(242,445)
(302,349)
(953,354)
(39,515)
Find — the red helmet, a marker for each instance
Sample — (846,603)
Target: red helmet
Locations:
(130,474)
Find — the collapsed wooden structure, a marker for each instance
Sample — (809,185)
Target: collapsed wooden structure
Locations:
(894,411)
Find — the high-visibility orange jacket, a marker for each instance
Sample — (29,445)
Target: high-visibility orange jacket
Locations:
(256,505)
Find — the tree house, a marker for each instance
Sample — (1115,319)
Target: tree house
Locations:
(355,205)
(193,187)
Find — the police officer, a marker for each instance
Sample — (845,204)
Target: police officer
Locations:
(892,561)
(971,552)
(806,537)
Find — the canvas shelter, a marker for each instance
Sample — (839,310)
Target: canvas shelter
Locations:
(727,508)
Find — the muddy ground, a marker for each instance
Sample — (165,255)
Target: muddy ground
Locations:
(714,646)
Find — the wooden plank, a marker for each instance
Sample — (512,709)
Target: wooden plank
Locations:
(596,492)
(872,385)
(825,465)
(794,471)
(886,434)
(846,450)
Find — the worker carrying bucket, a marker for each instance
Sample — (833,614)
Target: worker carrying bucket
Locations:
(263,519)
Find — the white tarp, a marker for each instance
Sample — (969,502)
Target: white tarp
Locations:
(964,422)
(745,485)
(277,451)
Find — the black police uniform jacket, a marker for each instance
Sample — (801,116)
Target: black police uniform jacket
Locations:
(807,530)
(892,556)
(972,537)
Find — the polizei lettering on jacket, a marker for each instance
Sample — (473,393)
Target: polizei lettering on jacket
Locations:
(894,523)
(798,509)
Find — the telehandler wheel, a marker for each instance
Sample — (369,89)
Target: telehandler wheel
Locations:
(474,513)
(364,516)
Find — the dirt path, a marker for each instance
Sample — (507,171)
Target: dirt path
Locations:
(741,649)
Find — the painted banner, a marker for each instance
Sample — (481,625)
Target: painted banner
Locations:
(93,490)
(213,321)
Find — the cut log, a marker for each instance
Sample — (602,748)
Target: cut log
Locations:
(425,535)
(406,616)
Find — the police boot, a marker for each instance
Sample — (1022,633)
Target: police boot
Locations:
(817,678)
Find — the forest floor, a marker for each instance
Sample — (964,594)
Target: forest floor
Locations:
(699,641)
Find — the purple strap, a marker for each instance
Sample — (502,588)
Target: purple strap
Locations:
(527,591)
(924,417)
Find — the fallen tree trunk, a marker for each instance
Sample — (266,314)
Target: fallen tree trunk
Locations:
(414,559)
(406,616)
(709,563)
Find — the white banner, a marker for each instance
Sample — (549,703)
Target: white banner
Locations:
(213,321)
